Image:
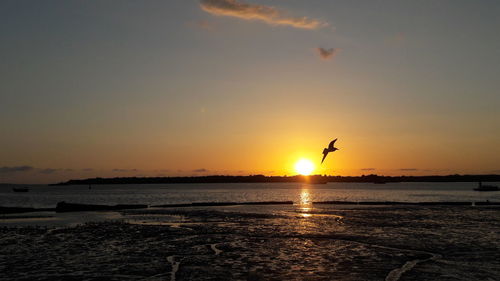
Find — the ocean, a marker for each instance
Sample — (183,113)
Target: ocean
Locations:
(42,196)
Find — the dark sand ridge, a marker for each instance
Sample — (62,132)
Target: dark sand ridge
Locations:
(264,243)
(77,207)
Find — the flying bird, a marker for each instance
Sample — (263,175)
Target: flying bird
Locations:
(330,148)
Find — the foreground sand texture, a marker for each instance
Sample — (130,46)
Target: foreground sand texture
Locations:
(263,243)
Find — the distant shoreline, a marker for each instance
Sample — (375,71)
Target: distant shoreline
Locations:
(314,179)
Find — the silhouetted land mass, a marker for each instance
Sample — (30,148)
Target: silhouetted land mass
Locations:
(281,179)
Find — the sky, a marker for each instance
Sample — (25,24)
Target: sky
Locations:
(199,87)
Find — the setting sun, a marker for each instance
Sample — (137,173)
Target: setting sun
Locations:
(304,167)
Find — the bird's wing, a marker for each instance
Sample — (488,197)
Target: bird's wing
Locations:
(325,153)
(330,146)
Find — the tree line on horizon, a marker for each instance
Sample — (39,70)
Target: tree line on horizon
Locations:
(283,179)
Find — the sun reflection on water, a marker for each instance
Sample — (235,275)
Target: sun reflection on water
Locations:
(305,197)
(305,203)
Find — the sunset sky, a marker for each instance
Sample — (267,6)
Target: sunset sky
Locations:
(190,87)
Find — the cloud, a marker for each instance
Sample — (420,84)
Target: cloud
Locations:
(48,171)
(408,169)
(200,170)
(327,54)
(203,24)
(87,170)
(268,14)
(397,39)
(30,168)
(125,170)
(15,169)
(368,169)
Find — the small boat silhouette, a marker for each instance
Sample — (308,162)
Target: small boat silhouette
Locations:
(482,187)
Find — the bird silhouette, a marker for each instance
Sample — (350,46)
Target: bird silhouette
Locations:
(330,148)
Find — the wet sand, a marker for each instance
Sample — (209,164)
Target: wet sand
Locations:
(320,242)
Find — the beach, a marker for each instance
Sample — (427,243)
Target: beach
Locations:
(290,242)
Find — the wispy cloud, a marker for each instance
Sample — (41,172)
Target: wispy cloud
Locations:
(203,24)
(48,171)
(202,170)
(125,170)
(16,169)
(397,39)
(408,169)
(268,14)
(368,169)
(30,168)
(327,54)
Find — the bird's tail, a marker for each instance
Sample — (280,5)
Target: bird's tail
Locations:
(324,156)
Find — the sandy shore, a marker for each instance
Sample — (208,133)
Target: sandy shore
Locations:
(263,243)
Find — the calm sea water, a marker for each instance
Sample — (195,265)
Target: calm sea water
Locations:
(48,196)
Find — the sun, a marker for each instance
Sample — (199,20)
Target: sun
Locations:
(304,167)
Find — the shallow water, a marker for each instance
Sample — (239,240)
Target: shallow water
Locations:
(47,196)
(292,242)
